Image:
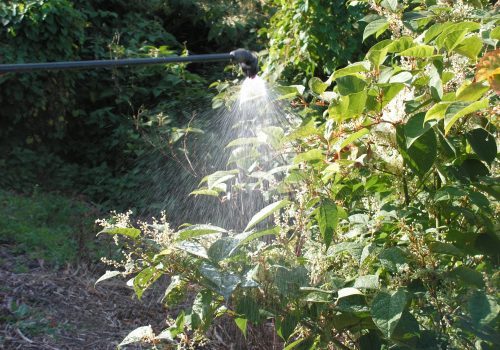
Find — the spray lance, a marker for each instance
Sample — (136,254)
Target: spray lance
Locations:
(247,60)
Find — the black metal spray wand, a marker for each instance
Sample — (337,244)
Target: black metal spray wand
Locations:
(246,59)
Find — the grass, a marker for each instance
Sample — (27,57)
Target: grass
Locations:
(48,227)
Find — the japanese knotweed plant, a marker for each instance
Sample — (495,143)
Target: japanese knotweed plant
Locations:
(385,202)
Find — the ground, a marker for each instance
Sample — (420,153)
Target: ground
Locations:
(46,309)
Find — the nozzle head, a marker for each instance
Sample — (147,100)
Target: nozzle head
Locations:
(247,60)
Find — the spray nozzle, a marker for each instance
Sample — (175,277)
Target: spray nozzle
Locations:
(247,60)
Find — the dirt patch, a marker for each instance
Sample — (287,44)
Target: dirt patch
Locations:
(46,309)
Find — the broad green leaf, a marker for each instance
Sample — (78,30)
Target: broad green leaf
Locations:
(294,344)
(108,275)
(422,153)
(317,86)
(201,311)
(452,39)
(175,282)
(352,69)
(387,310)
(393,259)
(126,231)
(435,81)
(367,282)
(247,237)
(470,47)
(389,91)
(248,308)
(419,51)
(242,325)
(193,248)
(436,30)
(415,127)
(377,26)
(198,230)
(144,279)
(495,33)
(459,109)
(377,57)
(437,111)
(225,282)
(327,219)
(483,308)
(468,276)
(471,92)
(483,144)
(222,249)
(265,212)
(311,155)
(350,84)
(353,137)
(218,177)
(445,248)
(144,333)
(401,44)
(347,292)
(390,4)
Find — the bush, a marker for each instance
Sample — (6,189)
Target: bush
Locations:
(385,231)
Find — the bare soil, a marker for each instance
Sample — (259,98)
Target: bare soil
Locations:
(41,308)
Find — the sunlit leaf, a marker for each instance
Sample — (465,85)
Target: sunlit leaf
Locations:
(108,275)
(459,109)
(198,230)
(266,212)
(377,26)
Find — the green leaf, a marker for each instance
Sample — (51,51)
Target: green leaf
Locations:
(294,344)
(126,231)
(317,86)
(218,177)
(347,292)
(393,259)
(351,69)
(193,248)
(470,47)
(387,310)
(225,282)
(198,230)
(108,275)
(144,333)
(265,212)
(483,308)
(459,109)
(242,325)
(401,44)
(375,27)
(144,279)
(370,341)
(353,137)
(436,30)
(415,127)
(419,51)
(437,111)
(350,84)
(327,219)
(201,311)
(468,276)
(367,282)
(471,92)
(483,144)
(389,91)
(445,248)
(248,308)
(452,39)
(311,155)
(247,237)
(422,153)
(222,249)
(175,282)
(390,4)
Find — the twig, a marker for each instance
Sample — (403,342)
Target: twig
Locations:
(25,338)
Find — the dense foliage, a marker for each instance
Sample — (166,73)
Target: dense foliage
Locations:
(95,132)
(385,202)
